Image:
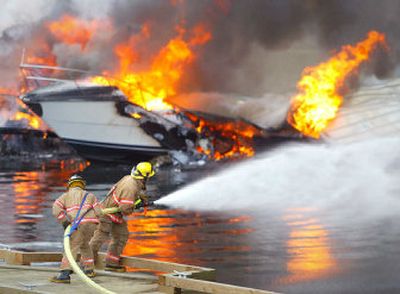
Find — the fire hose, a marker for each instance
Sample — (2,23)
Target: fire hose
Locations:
(75,266)
(67,247)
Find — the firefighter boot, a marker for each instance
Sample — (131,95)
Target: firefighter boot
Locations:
(115,268)
(62,277)
(90,273)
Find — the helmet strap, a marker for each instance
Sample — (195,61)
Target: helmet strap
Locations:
(76,184)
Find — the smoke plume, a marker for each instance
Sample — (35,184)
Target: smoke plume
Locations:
(257,46)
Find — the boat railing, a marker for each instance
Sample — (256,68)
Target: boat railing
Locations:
(43,75)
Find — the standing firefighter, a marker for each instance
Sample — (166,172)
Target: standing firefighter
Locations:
(123,197)
(65,209)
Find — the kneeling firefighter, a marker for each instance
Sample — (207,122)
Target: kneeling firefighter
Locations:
(77,201)
(124,196)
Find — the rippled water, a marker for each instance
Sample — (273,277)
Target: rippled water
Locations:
(294,250)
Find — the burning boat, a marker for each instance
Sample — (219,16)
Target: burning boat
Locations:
(26,141)
(102,124)
(89,118)
(128,118)
(124,113)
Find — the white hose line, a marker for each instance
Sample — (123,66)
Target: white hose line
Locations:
(77,269)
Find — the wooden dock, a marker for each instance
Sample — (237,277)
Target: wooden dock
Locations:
(20,275)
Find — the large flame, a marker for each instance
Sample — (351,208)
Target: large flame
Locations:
(148,79)
(149,88)
(71,30)
(319,96)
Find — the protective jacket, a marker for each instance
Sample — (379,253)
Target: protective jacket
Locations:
(123,195)
(67,205)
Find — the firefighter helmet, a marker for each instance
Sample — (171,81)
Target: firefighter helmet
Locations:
(143,170)
(76,181)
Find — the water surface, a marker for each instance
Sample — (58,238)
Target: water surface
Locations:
(292,250)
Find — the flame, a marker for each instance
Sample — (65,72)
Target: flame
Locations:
(46,60)
(237,137)
(71,30)
(149,88)
(7,91)
(23,113)
(33,121)
(319,96)
(149,79)
(41,52)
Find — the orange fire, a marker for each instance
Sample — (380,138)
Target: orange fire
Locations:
(22,112)
(319,96)
(34,122)
(233,139)
(149,79)
(41,53)
(7,91)
(149,88)
(71,30)
(45,60)
(308,246)
(25,114)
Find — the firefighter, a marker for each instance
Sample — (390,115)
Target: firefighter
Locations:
(124,195)
(65,209)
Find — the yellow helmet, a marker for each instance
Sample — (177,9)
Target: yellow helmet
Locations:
(143,170)
(76,181)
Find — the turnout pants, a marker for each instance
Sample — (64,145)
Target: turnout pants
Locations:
(119,237)
(79,241)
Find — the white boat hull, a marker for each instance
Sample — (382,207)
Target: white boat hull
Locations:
(98,132)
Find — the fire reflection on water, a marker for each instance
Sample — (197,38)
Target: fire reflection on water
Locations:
(31,194)
(151,234)
(25,186)
(308,247)
(172,235)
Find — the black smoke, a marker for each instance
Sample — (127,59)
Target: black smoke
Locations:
(246,33)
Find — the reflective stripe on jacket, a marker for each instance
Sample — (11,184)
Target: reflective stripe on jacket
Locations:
(67,205)
(123,195)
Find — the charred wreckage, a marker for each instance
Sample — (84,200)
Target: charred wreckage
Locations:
(102,125)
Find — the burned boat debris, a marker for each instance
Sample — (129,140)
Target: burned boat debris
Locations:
(26,141)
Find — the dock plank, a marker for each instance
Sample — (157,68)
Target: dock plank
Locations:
(19,275)
(22,280)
